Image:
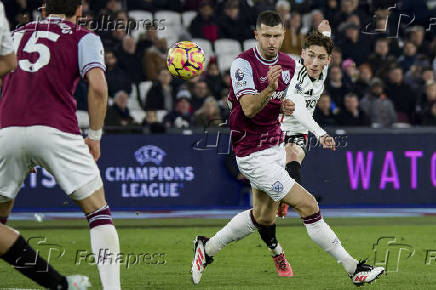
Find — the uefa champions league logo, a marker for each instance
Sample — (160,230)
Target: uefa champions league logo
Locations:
(149,153)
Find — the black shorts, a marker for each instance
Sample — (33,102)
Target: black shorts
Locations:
(299,140)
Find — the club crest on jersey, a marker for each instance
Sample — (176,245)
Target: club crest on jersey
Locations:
(286,76)
(299,88)
(277,186)
(150,153)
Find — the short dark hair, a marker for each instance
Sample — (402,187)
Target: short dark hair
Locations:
(67,7)
(269,18)
(317,38)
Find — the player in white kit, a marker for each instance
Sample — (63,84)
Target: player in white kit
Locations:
(305,89)
(13,247)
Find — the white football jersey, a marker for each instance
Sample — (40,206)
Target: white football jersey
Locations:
(305,93)
(6,43)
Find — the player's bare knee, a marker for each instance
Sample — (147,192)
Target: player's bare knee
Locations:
(309,208)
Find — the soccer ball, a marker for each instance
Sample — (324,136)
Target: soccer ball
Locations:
(185,60)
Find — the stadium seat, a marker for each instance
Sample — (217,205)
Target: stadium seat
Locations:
(249,43)
(83,119)
(187,18)
(171,18)
(227,47)
(225,62)
(138,115)
(170,33)
(141,16)
(206,46)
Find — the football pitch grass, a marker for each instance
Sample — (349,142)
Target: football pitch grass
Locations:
(407,244)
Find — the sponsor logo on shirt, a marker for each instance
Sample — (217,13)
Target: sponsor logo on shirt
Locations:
(263,79)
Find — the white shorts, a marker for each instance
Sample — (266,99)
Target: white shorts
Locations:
(65,156)
(266,171)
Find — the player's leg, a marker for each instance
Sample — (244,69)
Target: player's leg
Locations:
(295,153)
(320,232)
(6,206)
(264,215)
(67,158)
(16,251)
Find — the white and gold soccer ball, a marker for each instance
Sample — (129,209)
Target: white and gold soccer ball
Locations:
(185,60)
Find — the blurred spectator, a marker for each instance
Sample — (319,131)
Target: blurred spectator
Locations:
(151,124)
(223,103)
(128,59)
(117,78)
(284,9)
(351,72)
(181,116)
(336,57)
(293,40)
(113,5)
(347,9)
(160,96)
(430,95)
(154,5)
(416,35)
(377,106)
(330,11)
(231,24)
(209,114)
(323,113)
(226,79)
(199,93)
(402,96)
(352,115)
(353,46)
(408,58)
(204,24)
(429,118)
(316,17)
(212,78)
(155,59)
(118,114)
(362,85)
(381,60)
(335,86)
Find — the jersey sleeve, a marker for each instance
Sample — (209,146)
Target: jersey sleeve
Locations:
(242,78)
(91,54)
(304,116)
(6,43)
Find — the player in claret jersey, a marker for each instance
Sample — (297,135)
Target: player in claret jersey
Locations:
(38,124)
(260,78)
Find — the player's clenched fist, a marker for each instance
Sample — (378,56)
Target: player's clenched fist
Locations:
(273,76)
(288,107)
(324,26)
(328,142)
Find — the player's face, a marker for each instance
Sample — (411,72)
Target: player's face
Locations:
(315,58)
(269,39)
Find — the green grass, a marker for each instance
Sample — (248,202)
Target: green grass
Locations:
(245,264)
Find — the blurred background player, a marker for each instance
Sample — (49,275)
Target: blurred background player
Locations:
(305,89)
(13,247)
(257,141)
(39,125)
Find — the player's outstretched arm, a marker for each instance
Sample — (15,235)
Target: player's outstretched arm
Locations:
(252,104)
(97,102)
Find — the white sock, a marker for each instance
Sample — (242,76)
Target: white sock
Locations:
(239,227)
(104,240)
(277,250)
(322,234)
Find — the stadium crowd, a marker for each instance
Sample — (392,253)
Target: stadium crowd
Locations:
(382,72)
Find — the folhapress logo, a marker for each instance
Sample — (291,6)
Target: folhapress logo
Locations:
(150,181)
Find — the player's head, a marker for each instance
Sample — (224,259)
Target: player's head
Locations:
(316,53)
(269,33)
(70,8)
